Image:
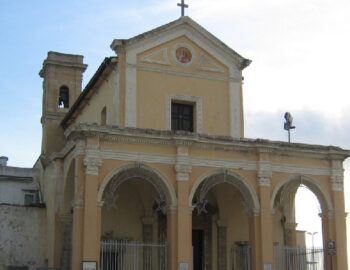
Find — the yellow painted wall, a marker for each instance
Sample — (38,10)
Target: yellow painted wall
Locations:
(154,86)
(104,96)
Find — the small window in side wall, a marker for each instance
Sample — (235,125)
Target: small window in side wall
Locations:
(182,117)
(30,197)
(104,116)
(63,98)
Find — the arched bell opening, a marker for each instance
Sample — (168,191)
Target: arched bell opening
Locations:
(222,205)
(133,220)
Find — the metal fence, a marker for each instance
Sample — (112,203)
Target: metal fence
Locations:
(292,258)
(125,255)
(241,258)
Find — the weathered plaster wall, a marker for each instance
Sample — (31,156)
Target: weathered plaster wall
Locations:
(106,96)
(12,192)
(22,236)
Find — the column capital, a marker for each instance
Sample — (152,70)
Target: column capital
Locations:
(182,167)
(264,173)
(77,204)
(327,215)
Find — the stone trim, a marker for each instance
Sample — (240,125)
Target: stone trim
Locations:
(185,73)
(264,174)
(116,98)
(82,131)
(337,176)
(78,204)
(198,106)
(92,160)
(206,162)
(206,58)
(164,52)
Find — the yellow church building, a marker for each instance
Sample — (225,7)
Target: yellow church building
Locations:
(148,168)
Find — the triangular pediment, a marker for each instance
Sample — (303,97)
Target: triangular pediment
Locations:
(158,57)
(184,26)
(181,55)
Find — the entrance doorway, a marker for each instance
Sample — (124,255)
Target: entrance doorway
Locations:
(198,249)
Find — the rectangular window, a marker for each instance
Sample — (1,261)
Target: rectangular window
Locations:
(29,197)
(181,117)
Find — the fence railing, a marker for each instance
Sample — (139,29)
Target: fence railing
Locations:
(291,258)
(240,258)
(126,255)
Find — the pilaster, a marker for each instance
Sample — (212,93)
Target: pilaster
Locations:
(78,215)
(184,213)
(92,211)
(337,179)
(264,176)
(222,244)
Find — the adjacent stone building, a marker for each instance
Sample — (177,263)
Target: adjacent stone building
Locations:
(22,219)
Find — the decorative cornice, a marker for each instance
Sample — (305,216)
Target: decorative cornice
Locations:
(204,141)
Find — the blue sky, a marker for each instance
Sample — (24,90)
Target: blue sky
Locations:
(300,53)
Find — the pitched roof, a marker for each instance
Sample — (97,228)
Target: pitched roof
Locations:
(103,71)
(185,20)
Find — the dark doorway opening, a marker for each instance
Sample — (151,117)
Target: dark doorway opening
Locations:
(198,249)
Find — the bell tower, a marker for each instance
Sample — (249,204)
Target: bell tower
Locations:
(62,74)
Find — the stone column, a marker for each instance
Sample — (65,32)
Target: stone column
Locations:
(340,260)
(172,238)
(290,234)
(66,253)
(147,237)
(184,213)
(222,244)
(78,214)
(92,211)
(255,241)
(77,234)
(265,222)
(328,234)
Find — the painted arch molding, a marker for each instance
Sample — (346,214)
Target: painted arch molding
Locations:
(138,170)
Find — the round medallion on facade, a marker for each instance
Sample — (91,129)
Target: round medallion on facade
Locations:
(183,54)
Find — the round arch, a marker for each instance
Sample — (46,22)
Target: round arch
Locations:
(137,170)
(219,176)
(320,192)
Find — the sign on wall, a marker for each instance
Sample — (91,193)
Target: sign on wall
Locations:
(267,266)
(183,266)
(89,265)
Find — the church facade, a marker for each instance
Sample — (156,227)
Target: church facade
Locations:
(148,166)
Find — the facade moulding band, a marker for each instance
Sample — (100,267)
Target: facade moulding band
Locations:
(204,141)
(205,162)
(186,74)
